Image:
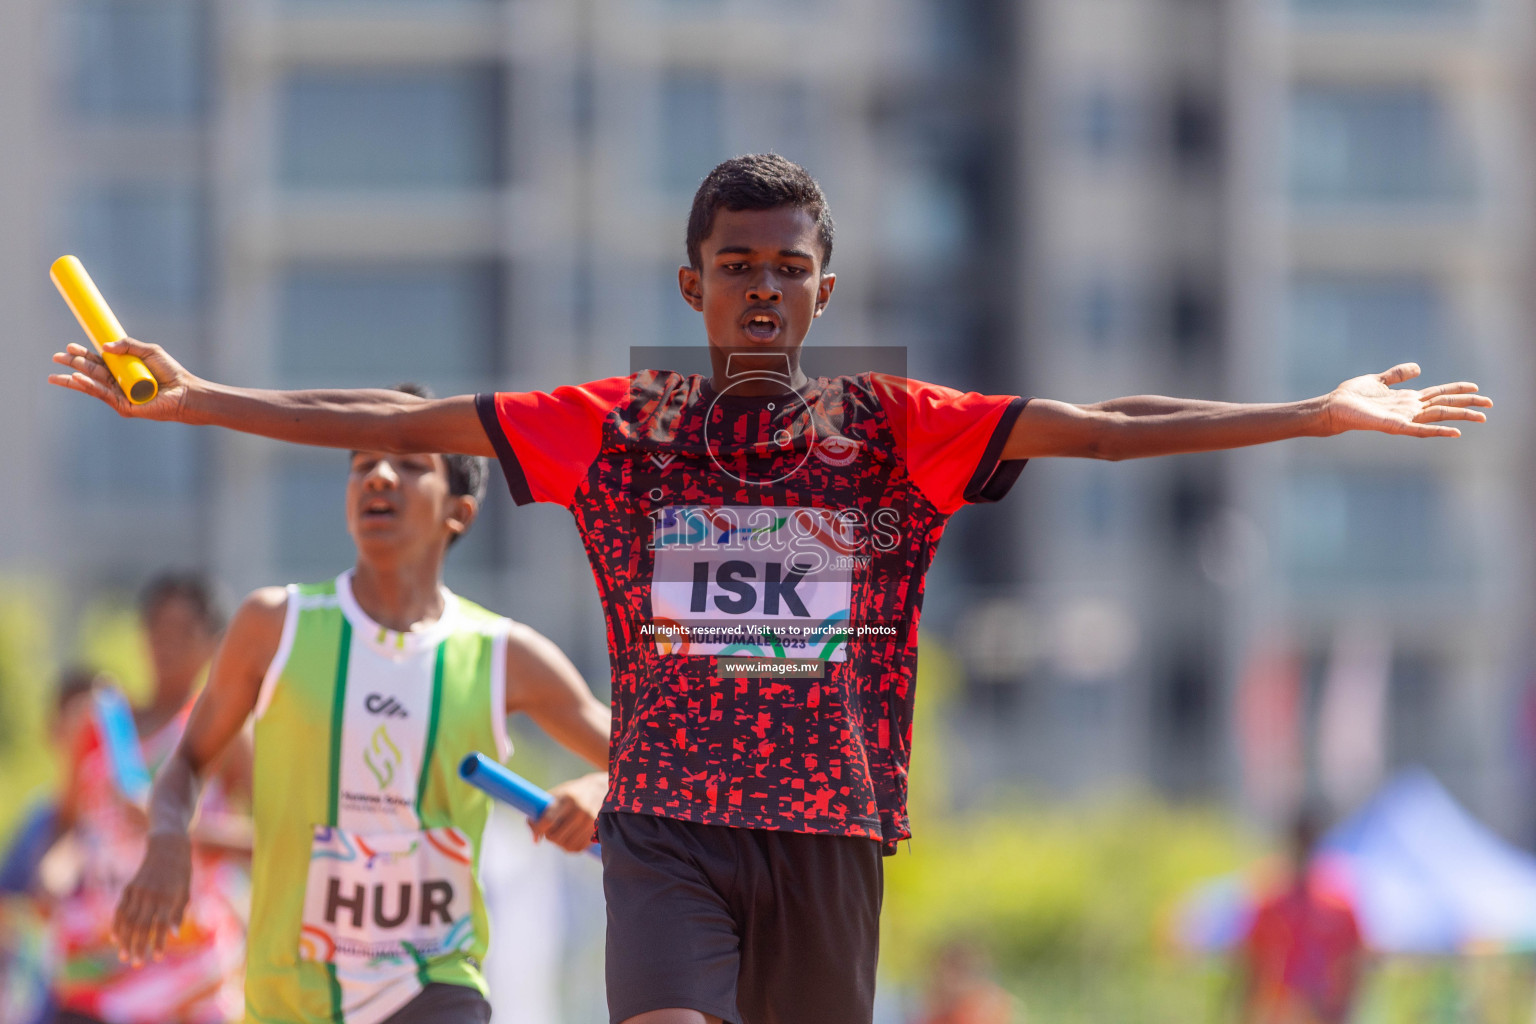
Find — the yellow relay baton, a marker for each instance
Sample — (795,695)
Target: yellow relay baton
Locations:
(102,328)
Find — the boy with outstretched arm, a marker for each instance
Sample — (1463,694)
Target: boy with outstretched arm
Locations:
(732,520)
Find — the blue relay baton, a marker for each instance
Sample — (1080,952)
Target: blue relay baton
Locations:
(120,737)
(501,783)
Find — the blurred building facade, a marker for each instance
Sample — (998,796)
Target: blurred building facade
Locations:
(1253,201)
(1079,198)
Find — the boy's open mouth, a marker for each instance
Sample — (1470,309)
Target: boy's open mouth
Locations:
(762,325)
(378,509)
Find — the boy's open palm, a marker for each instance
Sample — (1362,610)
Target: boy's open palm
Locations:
(90,376)
(1370,402)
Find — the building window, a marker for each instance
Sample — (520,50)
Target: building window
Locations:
(388,6)
(692,129)
(1100,309)
(775,119)
(310,515)
(1193,502)
(1386,7)
(1101,504)
(1362,527)
(961,33)
(1417,722)
(1375,144)
(379,324)
(1194,129)
(1343,325)
(405,128)
(140,58)
(1102,123)
(1193,317)
(144,246)
(927,216)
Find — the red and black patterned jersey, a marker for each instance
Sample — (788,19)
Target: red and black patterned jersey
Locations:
(760,562)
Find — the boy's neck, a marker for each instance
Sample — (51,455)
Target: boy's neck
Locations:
(755,374)
(168,700)
(400,597)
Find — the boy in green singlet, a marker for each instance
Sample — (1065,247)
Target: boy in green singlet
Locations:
(367,691)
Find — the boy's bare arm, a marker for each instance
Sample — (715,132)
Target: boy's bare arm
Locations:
(1147,425)
(356,419)
(543,684)
(152,905)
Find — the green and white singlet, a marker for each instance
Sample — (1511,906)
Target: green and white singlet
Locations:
(365,874)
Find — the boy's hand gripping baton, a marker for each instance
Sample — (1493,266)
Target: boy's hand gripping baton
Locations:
(102,328)
(509,787)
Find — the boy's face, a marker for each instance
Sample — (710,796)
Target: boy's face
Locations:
(399,506)
(180,642)
(761,282)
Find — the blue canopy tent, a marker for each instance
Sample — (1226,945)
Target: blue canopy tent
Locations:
(1426,877)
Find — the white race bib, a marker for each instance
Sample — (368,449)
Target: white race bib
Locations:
(754,581)
(377,904)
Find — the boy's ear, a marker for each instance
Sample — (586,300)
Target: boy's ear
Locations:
(461,514)
(824,293)
(689,282)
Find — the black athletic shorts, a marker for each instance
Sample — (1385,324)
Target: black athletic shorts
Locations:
(443,1004)
(752,926)
(435,1004)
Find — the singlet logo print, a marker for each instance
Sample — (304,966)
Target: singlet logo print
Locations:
(661,460)
(378,704)
(381,756)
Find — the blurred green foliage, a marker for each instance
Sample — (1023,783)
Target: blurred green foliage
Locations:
(24,663)
(106,636)
(1041,886)
(26,673)
(108,639)
(1068,902)
(1044,887)
(1071,903)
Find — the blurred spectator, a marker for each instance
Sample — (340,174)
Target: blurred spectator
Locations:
(1303,955)
(961,990)
(25,952)
(39,826)
(199,980)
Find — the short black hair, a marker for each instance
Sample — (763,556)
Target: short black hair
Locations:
(761,181)
(1306,829)
(74,681)
(191,587)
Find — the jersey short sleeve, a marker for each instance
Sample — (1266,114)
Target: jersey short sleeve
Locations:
(952,441)
(546,441)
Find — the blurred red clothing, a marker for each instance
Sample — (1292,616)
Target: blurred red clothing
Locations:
(200,979)
(986,1004)
(1303,955)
